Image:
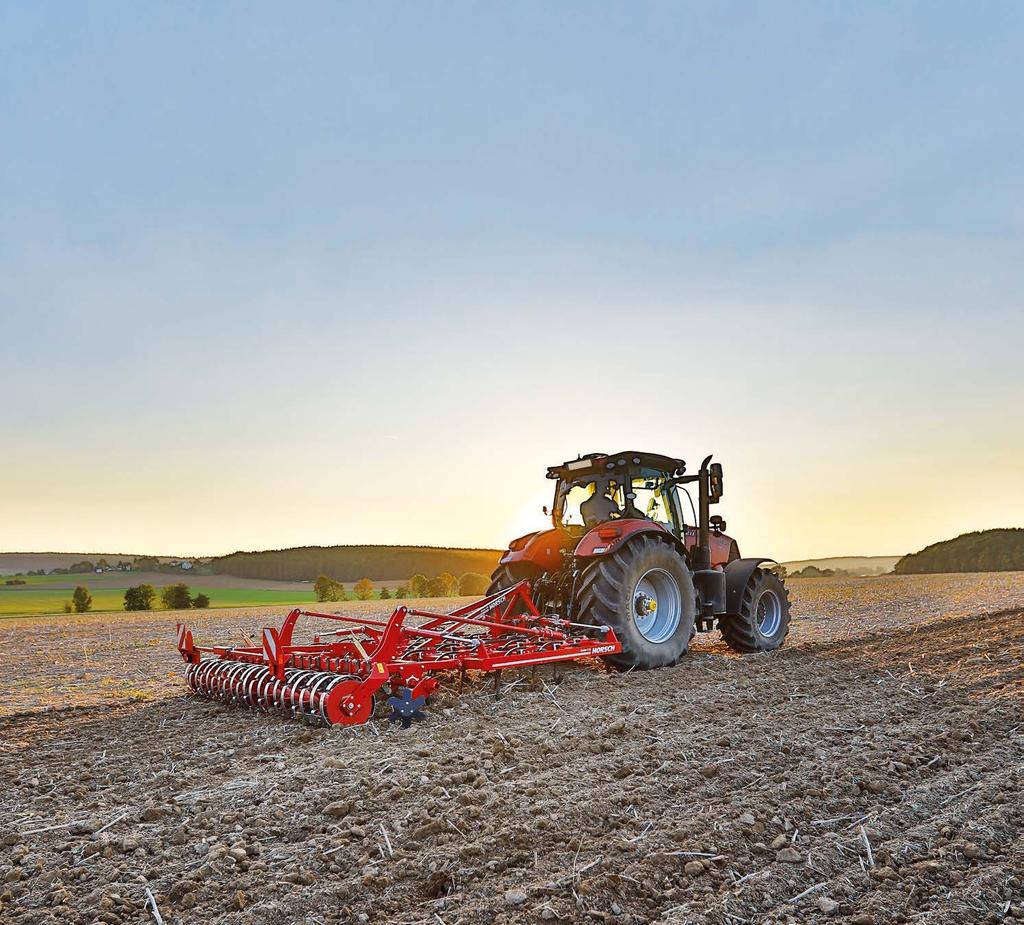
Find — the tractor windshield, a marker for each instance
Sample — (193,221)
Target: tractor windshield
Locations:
(588,501)
(649,497)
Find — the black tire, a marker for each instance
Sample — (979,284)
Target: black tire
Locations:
(504,576)
(610,595)
(763,620)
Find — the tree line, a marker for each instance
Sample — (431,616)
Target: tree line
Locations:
(351,563)
(981,551)
(443,585)
(142,597)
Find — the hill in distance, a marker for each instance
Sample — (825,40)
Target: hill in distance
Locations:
(982,551)
(18,563)
(350,563)
(853,565)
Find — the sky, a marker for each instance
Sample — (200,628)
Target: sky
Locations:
(357,273)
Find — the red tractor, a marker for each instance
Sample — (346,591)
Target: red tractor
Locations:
(622,554)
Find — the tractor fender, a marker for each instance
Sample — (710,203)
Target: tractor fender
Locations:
(737,574)
(542,549)
(594,545)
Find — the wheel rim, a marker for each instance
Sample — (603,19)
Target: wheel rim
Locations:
(768,614)
(657,605)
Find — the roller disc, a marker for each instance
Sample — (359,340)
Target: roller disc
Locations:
(344,706)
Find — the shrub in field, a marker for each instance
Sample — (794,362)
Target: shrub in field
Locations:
(81,600)
(402,591)
(327,589)
(473,584)
(200,602)
(141,597)
(444,585)
(176,597)
(68,608)
(363,589)
(385,594)
(418,586)
(449,582)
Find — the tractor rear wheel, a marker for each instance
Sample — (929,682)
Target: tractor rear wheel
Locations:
(763,620)
(644,591)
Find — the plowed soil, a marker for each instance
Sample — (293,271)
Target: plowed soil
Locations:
(869,772)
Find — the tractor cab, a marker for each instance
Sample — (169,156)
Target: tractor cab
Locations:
(599,489)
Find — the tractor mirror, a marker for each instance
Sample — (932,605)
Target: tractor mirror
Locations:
(717,524)
(715,482)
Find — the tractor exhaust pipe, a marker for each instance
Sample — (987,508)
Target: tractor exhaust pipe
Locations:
(702,554)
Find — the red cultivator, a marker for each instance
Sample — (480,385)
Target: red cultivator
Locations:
(336,680)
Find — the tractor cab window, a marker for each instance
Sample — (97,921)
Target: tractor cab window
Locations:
(650,498)
(588,502)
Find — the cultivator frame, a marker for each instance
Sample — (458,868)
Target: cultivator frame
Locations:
(336,682)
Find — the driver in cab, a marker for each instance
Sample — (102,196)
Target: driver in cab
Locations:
(600,506)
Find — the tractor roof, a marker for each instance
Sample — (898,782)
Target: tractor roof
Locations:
(606,463)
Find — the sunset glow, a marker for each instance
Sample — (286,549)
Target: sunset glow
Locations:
(229,323)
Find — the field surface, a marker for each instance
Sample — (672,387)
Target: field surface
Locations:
(869,772)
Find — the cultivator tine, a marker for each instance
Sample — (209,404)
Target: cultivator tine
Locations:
(336,682)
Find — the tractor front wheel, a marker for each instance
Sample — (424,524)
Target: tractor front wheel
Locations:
(643,591)
(763,620)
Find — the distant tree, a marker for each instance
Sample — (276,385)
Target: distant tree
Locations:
(141,597)
(473,583)
(385,594)
(176,597)
(443,585)
(402,591)
(103,563)
(435,588)
(418,585)
(812,571)
(68,608)
(327,589)
(363,589)
(146,563)
(59,571)
(80,568)
(450,584)
(322,588)
(81,600)
(200,602)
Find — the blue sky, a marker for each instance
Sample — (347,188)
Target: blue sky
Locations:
(273,276)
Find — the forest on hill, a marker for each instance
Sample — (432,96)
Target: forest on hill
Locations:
(350,563)
(982,551)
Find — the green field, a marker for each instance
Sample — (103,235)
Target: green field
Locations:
(39,596)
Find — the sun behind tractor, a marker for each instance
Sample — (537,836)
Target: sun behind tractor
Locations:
(621,554)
